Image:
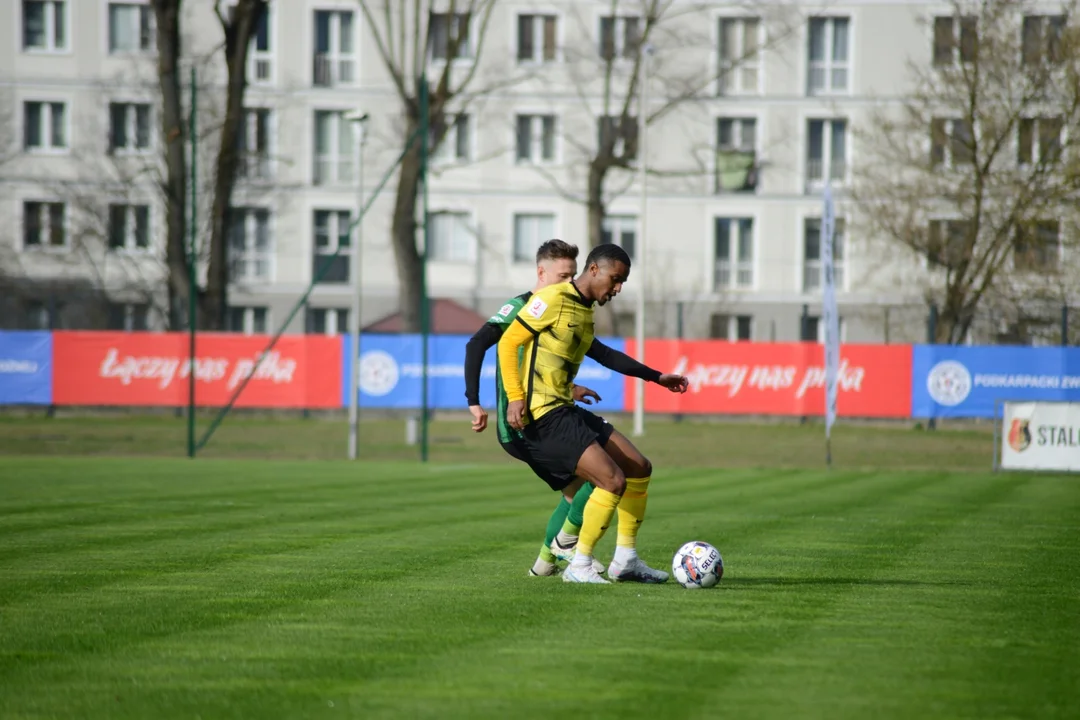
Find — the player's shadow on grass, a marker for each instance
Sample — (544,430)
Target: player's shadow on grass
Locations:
(748,582)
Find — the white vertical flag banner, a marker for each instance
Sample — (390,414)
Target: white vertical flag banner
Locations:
(829,313)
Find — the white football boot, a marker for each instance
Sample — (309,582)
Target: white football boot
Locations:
(577,574)
(566,554)
(543,569)
(636,571)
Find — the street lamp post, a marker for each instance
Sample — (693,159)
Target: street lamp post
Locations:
(359,123)
(647,51)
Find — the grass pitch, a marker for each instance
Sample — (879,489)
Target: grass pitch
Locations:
(162,588)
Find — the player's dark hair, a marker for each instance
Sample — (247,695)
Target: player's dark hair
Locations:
(608,252)
(556,250)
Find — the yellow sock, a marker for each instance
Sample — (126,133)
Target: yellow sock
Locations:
(632,511)
(597,516)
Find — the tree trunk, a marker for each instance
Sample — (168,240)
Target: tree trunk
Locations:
(595,204)
(167,16)
(238,33)
(604,317)
(403,233)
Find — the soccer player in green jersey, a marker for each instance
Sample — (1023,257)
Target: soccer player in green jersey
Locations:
(556,262)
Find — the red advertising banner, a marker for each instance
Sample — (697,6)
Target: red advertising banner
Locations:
(776,378)
(119,368)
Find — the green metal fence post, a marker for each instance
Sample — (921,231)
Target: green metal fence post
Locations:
(425,315)
(193,137)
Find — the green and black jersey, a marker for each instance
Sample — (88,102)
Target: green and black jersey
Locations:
(474,359)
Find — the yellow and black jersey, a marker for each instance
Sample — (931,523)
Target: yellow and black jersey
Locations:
(555,329)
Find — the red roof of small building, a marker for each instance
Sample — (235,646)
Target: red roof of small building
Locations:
(447,318)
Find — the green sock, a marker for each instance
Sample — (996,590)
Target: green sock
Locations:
(557,519)
(574,518)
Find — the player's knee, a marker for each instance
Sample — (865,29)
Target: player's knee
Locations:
(611,479)
(618,483)
(646,467)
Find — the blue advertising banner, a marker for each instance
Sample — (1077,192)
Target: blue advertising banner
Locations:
(25,368)
(957,381)
(390,372)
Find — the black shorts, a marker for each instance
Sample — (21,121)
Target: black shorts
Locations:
(552,445)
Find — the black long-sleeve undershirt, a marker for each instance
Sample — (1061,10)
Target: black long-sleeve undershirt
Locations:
(620,362)
(485,338)
(488,336)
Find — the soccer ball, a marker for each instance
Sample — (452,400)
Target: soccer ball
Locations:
(697,565)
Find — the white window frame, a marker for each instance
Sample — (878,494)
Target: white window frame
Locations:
(840,264)
(334,233)
(261,59)
(742,272)
(738,145)
(45,227)
(949,161)
(820,327)
(129,310)
(258,165)
(447,153)
(945,220)
(335,67)
(1046,21)
(331,321)
(340,167)
(538,37)
(131,245)
(538,239)
(732,329)
(826,161)
(131,127)
(729,79)
(1058,265)
(619,149)
(956,24)
(536,139)
(829,66)
(144,6)
(619,49)
(51,46)
(47,126)
(469,227)
(1036,145)
(469,47)
(240,259)
(616,224)
(248,314)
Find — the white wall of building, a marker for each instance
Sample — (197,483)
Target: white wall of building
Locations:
(491,187)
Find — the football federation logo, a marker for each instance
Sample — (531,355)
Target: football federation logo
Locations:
(949,383)
(1020,434)
(378,373)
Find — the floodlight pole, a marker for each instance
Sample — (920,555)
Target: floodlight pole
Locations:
(359,124)
(647,51)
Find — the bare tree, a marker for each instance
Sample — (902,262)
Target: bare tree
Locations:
(239,26)
(411,37)
(973,175)
(607,75)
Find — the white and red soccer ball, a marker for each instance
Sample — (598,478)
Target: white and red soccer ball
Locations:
(697,565)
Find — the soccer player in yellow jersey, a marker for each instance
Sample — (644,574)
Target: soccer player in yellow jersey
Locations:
(551,336)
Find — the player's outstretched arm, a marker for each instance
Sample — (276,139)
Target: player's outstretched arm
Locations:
(622,363)
(478,345)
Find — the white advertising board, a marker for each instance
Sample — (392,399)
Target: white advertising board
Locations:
(1041,436)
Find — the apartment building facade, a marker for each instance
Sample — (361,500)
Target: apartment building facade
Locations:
(733,237)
